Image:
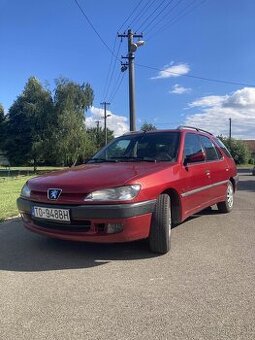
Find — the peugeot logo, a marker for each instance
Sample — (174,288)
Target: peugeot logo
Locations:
(53,194)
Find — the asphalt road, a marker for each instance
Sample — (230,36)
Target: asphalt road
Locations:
(203,289)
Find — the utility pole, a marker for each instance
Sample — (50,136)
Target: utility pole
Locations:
(97,131)
(105,117)
(132,47)
(230,129)
(97,124)
(230,133)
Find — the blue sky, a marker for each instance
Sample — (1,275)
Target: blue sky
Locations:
(215,40)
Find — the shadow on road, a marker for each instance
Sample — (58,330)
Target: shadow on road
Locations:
(22,250)
(247,184)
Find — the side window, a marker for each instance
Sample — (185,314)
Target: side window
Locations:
(192,147)
(220,156)
(209,148)
(223,147)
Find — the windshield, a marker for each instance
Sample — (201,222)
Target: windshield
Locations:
(147,147)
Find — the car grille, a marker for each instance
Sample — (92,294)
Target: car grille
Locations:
(79,226)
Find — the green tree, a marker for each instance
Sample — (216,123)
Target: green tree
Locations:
(148,127)
(1,113)
(69,140)
(97,137)
(238,149)
(26,125)
(2,121)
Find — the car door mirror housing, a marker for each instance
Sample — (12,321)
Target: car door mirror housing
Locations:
(195,158)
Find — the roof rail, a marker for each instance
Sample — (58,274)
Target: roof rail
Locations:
(133,132)
(194,128)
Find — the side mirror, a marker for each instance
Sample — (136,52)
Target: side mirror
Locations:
(195,158)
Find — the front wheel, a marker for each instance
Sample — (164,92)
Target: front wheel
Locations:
(160,231)
(227,205)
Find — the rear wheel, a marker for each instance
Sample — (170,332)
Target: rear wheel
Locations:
(227,205)
(160,231)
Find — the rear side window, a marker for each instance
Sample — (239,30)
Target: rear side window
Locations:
(223,147)
(209,149)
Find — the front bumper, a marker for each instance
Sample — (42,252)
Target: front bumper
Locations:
(88,222)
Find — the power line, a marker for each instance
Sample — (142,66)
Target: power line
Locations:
(111,70)
(130,15)
(187,10)
(156,16)
(94,29)
(117,88)
(197,77)
(117,79)
(143,10)
(149,29)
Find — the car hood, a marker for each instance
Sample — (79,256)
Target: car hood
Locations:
(89,177)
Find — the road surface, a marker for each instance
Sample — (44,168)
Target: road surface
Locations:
(203,289)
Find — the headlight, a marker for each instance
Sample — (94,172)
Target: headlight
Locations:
(25,191)
(115,194)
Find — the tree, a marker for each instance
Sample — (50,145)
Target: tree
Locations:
(69,141)
(97,137)
(148,127)
(40,129)
(26,125)
(1,113)
(238,149)
(2,120)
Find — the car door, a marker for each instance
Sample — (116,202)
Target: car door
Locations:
(194,176)
(217,168)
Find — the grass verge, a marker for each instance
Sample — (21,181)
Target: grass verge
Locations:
(9,192)
(31,168)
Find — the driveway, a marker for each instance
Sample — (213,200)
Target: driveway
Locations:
(202,289)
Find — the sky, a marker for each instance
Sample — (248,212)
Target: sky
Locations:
(196,67)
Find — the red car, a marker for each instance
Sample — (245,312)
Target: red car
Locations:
(136,187)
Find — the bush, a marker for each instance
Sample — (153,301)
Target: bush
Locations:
(238,149)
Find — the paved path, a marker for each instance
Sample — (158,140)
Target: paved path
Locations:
(203,289)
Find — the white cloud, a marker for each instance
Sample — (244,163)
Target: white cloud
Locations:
(208,101)
(178,89)
(173,71)
(215,111)
(118,124)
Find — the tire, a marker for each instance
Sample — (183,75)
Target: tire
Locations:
(227,205)
(160,230)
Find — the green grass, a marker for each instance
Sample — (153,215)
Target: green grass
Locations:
(31,168)
(9,191)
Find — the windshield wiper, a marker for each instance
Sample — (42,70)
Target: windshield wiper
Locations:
(133,159)
(101,160)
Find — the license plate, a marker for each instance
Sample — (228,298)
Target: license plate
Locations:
(51,214)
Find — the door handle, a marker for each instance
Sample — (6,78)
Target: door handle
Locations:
(208,172)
